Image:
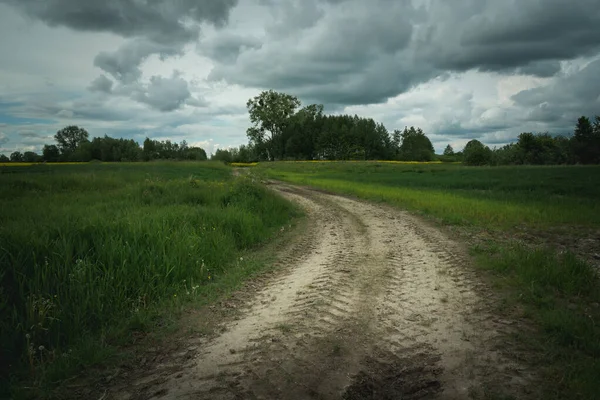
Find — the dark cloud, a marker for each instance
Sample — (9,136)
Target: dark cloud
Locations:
(565,99)
(161,21)
(101,84)
(543,69)
(357,52)
(502,35)
(351,55)
(165,94)
(160,27)
(226,47)
(123,64)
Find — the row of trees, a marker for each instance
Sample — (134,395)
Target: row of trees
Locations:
(73,145)
(583,147)
(282,130)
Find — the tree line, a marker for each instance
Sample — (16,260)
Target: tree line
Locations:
(283,130)
(583,147)
(73,144)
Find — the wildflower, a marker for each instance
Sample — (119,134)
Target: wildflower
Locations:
(241,258)
(27,336)
(41,348)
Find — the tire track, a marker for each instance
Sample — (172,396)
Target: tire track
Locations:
(373,304)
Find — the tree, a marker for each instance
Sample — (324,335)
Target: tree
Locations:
(475,153)
(396,140)
(50,153)
(222,155)
(415,146)
(586,141)
(30,157)
(448,151)
(4,159)
(16,156)
(269,113)
(69,138)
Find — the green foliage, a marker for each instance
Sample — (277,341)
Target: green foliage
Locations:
(586,141)
(69,138)
(415,146)
(223,155)
(86,247)
(278,132)
(475,153)
(4,159)
(167,150)
(448,151)
(16,156)
(31,157)
(50,153)
(269,112)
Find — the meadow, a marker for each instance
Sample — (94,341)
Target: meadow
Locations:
(491,197)
(525,226)
(87,250)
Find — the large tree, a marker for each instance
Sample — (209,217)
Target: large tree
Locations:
(448,151)
(69,138)
(415,146)
(16,156)
(586,141)
(50,153)
(476,153)
(30,157)
(269,113)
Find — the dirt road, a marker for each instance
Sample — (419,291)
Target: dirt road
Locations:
(371,303)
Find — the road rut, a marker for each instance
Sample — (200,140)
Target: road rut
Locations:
(371,303)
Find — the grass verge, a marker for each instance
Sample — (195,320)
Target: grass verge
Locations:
(92,254)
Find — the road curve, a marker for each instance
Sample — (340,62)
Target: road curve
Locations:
(372,303)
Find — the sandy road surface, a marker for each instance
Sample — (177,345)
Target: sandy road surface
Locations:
(371,304)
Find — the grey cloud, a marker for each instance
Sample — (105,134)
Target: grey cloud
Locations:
(123,64)
(334,51)
(3,138)
(164,94)
(101,84)
(565,99)
(502,35)
(226,47)
(162,21)
(29,134)
(352,55)
(544,69)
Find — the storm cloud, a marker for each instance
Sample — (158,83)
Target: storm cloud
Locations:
(462,69)
(160,21)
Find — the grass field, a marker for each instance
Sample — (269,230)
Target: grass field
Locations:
(492,197)
(558,291)
(87,250)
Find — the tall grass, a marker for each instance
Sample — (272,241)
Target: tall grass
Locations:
(83,247)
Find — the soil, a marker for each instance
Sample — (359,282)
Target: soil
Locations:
(370,303)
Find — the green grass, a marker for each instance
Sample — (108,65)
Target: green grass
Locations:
(491,197)
(89,252)
(559,292)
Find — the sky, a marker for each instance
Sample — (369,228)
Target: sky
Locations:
(184,69)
